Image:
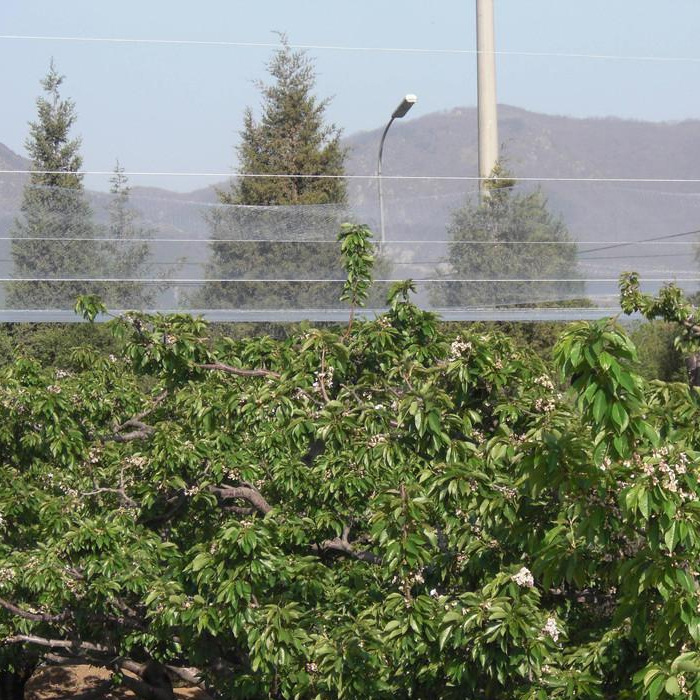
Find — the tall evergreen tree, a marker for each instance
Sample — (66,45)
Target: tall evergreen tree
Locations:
(508,235)
(291,137)
(54,212)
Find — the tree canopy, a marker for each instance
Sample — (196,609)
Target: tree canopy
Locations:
(389,510)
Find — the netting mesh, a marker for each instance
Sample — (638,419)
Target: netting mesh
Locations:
(537,249)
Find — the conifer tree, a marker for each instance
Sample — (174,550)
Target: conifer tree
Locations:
(291,137)
(54,212)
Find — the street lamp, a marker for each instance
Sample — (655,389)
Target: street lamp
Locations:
(399,112)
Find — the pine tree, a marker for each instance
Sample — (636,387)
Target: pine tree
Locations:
(508,235)
(293,138)
(54,212)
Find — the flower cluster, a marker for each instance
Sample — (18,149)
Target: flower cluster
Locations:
(509,493)
(62,374)
(545,382)
(551,630)
(545,405)
(663,473)
(478,436)
(136,460)
(384,322)
(459,347)
(53,389)
(524,578)
(6,575)
(376,440)
(323,378)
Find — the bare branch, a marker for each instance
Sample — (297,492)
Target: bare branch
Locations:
(322,375)
(342,545)
(141,433)
(123,497)
(145,690)
(142,430)
(34,617)
(246,493)
(73,645)
(219,366)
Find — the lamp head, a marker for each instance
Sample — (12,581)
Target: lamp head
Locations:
(405,105)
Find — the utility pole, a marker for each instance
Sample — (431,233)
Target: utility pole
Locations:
(486,88)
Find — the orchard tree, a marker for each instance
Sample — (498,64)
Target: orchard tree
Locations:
(670,305)
(290,139)
(387,511)
(508,235)
(53,236)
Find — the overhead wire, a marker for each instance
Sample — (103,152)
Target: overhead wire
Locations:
(642,240)
(374,176)
(247,280)
(339,47)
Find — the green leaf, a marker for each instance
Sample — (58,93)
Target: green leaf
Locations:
(600,406)
(672,687)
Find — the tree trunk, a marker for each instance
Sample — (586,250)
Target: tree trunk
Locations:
(692,363)
(12,685)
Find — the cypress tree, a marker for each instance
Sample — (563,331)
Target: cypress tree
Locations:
(54,210)
(291,138)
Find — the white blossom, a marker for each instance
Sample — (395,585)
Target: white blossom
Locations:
(524,578)
(550,628)
(458,348)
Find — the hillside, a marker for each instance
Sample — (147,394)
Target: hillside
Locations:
(445,144)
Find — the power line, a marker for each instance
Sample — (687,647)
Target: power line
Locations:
(424,280)
(470,178)
(314,241)
(358,49)
(643,240)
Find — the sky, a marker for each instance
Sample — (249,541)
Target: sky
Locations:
(178,107)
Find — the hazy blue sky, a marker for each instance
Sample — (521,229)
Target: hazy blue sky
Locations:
(179,108)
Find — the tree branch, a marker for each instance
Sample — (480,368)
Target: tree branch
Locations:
(342,545)
(246,493)
(142,430)
(34,617)
(221,367)
(72,645)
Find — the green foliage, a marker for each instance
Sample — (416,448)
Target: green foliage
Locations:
(357,255)
(672,306)
(52,344)
(659,356)
(508,235)
(394,511)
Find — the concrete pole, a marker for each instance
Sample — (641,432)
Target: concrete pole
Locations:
(486,87)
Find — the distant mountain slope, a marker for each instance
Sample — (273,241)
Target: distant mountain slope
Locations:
(445,144)
(538,145)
